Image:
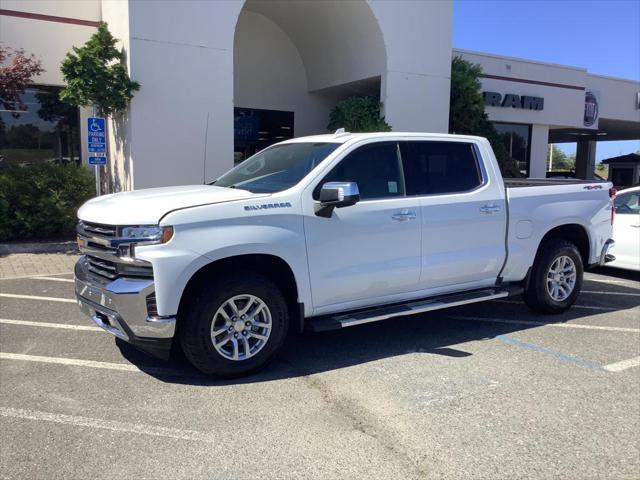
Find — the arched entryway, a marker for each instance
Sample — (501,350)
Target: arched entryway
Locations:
(294,60)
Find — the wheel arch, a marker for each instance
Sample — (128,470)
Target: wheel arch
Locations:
(574,233)
(271,266)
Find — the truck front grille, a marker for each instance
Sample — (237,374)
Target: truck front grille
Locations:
(98,229)
(112,270)
(106,260)
(104,268)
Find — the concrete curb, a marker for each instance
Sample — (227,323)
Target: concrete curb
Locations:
(39,247)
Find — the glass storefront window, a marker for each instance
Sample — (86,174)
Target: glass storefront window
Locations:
(516,138)
(256,129)
(47,130)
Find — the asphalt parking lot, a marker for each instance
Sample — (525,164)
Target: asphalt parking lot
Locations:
(487,391)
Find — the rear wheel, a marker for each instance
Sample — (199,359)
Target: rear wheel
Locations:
(235,326)
(556,277)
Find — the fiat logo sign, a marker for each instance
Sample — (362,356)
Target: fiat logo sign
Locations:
(590,109)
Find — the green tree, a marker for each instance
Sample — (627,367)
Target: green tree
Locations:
(358,114)
(96,75)
(557,160)
(467,115)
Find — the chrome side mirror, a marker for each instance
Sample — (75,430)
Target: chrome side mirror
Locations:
(337,195)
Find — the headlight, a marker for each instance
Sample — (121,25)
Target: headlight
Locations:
(149,234)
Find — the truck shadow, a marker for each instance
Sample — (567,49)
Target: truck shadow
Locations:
(618,273)
(437,333)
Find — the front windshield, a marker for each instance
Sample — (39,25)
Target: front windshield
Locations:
(276,168)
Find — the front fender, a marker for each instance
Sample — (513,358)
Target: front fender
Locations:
(174,264)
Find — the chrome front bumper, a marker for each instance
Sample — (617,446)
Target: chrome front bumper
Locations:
(120,306)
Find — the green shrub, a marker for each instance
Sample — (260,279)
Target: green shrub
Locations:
(41,202)
(358,114)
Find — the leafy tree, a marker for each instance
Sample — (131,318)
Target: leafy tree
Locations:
(467,115)
(466,108)
(16,71)
(96,75)
(558,160)
(358,114)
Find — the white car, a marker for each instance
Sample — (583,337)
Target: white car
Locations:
(626,229)
(329,232)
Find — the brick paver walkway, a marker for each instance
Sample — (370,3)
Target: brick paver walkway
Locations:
(27,264)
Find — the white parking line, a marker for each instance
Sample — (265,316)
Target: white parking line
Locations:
(75,362)
(611,293)
(584,307)
(32,297)
(17,277)
(115,426)
(50,325)
(53,279)
(628,283)
(623,365)
(542,324)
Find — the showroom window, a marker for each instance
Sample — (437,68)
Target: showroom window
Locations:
(255,129)
(516,139)
(44,130)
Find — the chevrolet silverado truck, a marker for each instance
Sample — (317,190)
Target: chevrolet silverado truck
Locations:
(328,232)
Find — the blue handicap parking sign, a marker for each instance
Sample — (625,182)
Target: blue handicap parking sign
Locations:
(96,135)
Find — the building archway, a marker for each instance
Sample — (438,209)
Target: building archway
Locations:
(294,60)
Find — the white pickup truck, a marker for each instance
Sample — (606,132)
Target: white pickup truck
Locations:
(331,231)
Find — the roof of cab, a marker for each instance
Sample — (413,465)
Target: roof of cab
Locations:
(345,137)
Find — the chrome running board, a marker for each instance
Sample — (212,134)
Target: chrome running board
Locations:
(358,317)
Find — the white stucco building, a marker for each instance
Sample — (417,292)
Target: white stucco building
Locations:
(221,79)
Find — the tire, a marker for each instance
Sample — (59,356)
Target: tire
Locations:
(211,316)
(554,293)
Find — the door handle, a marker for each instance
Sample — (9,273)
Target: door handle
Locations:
(404,216)
(490,208)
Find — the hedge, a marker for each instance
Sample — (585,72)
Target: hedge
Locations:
(40,202)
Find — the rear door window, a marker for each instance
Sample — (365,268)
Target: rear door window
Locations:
(439,167)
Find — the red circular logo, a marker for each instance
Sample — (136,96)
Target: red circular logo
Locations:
(590,109)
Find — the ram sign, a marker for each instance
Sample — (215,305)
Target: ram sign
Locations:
(525,102)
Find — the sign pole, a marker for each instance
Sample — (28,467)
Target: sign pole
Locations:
(97,145)
(96,167)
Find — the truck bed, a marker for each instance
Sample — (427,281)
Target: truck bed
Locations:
(585,204)
(547,182)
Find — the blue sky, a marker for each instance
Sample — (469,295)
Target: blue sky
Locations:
(602,36)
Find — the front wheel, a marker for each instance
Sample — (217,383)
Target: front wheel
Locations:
(235,326)
(556,277)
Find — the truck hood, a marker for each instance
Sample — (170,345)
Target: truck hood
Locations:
(147,207)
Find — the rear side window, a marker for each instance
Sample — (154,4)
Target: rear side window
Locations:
(375,168)
(439,167)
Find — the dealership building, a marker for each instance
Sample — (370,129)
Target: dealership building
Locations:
(223,79)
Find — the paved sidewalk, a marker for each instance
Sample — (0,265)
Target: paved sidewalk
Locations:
(23,260)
